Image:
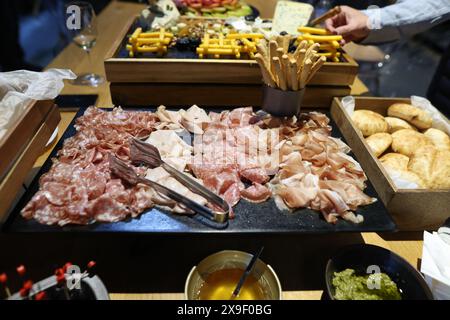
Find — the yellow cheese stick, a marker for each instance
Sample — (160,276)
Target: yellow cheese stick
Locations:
(321,38)
(151,49)
(155,35)
(335,44)
(245,36)
(218,46)
(136,33)
(329,54)
(142,41)
(327,46)
(312,30)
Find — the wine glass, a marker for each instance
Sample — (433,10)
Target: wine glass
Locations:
(82,26)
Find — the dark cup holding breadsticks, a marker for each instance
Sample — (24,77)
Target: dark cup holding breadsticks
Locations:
(282,103)
(286,74)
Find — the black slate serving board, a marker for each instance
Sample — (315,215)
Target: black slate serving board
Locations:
(250,218)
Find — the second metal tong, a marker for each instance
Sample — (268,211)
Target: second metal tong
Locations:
(149,155)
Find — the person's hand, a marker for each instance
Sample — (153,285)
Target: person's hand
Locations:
(352,24)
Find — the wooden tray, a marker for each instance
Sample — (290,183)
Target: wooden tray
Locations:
(24,129)
(411,209)
(212,95)
(121,69)
(12,182)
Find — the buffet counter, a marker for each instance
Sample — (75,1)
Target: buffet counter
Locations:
(110,22)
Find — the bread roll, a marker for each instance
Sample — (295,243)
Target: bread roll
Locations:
(422,163)
(379,142)
(432,165)
(369,122)
(395,124)
(417,117)
(441,170)
(439,138)
(407,141)
(395,161)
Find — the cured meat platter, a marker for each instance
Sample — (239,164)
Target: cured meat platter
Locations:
(249,217)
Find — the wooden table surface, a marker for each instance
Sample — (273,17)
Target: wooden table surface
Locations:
(110,21)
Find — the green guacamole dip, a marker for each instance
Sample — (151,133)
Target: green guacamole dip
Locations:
(349,286)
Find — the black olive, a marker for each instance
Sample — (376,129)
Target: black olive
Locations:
(283,33)
(292,46)
(183,43)
(194,41)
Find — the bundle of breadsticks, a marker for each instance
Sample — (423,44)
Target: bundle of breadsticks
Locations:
(285,70)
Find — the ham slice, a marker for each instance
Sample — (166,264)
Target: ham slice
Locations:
(316,173)
(256,193)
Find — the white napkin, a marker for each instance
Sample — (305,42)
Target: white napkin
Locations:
(436,264)
(18,88)
(439,120)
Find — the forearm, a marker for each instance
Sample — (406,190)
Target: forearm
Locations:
(405,18)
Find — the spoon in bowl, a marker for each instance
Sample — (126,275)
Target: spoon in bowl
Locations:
(246,273)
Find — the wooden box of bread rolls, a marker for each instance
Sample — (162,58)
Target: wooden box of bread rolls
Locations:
(22,144)
(401,143)
(143,81)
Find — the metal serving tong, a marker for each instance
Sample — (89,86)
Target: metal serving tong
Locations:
(149,155)
(126,173)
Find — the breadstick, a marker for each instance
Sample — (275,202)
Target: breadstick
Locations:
(261,47)
(300,59)
(309,52)
(314,57)
(272,53)
(305,73)
(285,43)
(279,72)
(293,74)
(302,45)
(329,14)
(286,70)
(280,53)
(279,40)
(316,66)
(264,70)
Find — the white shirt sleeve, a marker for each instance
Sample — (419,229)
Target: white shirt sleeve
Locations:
(405,18)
